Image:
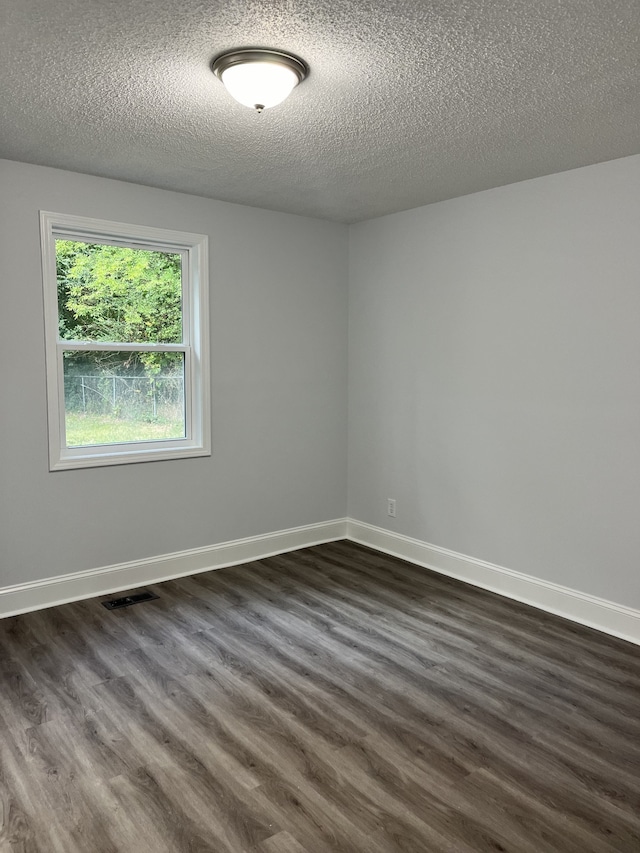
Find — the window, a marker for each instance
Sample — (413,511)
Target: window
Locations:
(126,322)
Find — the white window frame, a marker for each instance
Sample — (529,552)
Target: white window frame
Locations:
(195,317)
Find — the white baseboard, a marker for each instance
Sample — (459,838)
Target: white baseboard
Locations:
(598,613)
(36,595)
(607,616)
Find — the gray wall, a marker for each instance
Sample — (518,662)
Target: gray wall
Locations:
(279,385)
(494,347)
(494,370)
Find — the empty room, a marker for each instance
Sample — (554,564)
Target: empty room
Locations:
(320,426)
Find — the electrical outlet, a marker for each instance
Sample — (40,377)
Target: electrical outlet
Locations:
(391,507)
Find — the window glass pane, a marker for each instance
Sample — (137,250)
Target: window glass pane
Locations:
(114,397)
(119,294)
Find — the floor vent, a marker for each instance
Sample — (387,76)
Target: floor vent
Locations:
(128,600)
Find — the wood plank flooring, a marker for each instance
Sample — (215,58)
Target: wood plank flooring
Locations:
(332,699)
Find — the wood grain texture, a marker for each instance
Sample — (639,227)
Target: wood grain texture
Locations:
(331,699)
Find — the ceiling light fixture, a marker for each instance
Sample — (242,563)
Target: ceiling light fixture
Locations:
(259,78)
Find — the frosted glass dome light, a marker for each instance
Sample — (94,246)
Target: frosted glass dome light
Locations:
(259,78)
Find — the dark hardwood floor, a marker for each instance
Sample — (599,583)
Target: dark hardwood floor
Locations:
(332,699)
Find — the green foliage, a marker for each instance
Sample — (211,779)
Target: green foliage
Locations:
(119,294)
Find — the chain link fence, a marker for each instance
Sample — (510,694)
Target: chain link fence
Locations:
(134,397)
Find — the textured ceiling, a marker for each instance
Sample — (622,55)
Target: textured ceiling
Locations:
(407,102)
